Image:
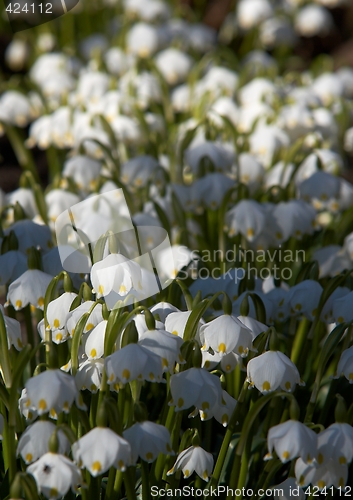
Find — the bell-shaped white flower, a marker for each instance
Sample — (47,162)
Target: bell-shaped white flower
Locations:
(212,189)
(272,370)
(174,65)
(94,345)
(193,459)
(57,312)
(221,412)
(175,322)
(75,315)
(54,475)
(148,440)
(29,288)
(53,392)
(292,439)
(304,298)
(165,345)
(294,218)
(142,40)
(218,154)
(225,334)
(30,234)
(248,218)
(100,449)
(252,13)
(115,276)
(83,170)
(34,442)
(138,171)
(195,387)
(133,362)
(284,491)
(162,311)
(345,365)
(313,20)
(89,375)
(15,108)
(13,331)
(323,476)
(336,443)
(16,54)
(342,308)
(12,265)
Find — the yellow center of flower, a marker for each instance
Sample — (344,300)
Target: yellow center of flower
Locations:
(340,319)
(19,343)
(126,374)
(320,458)
(53,492)
(205,405)
(29,457)
(101,289)
(40,302)
(96,466)
(89,326)
(174,332)
(186,473)
(205,475)
(121,464)
(56,323)
(58,337)
(93,387)
(225,419)
(250,232)
(93,353)
(342,460)
(266,386)
(287,385)
(66,406)
(285,455)
(321,484)
(18,304)
(122,289)
(53,413)
(149,456)
(42,405)
(180,402)
(222,348)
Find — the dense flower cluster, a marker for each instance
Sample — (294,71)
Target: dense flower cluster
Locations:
(208,249)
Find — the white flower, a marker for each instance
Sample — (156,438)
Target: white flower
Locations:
(336,443)
(248,218)
(304,298)
(226,334)
(83,170)
(12,265)
(218,81)
(89,375)
(133,362)
(345,364)
(174,65)
(292,439)
(175,322)
(13,331)
(163,309)
(142,40)
(15,108)
(195,387)
(147,440)
(217,154)
(165,345)
(94,346)
(116,61)
(221,412)
(100,449)
(52,391)
(284,491)
(313,20)
(16,54)
(212,188)
(30,234)
(54,474)
(75,315)
(193,459)
(29,288)
(34,442)
(251,13)
(57,312)
(342,308)
(115,277)
(138,171)
(169,261)
(326,475)
(272,370)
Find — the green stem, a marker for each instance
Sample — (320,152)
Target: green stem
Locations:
(23,155)
(30,334)
(4,354)
(129,481)
(146,491)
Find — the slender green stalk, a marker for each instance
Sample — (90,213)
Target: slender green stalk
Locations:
(23,155)
(146,491)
